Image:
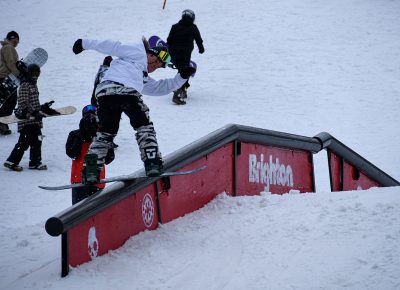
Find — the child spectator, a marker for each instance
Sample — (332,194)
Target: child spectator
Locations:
(30,130)
(77,146)
(180,45)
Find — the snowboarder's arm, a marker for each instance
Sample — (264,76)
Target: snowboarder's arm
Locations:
(198,39)
(162,87)
(114,48)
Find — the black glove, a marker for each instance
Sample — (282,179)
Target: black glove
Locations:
(45,108)
(37,115)
(186,72)
(201,49)
(21,114)
(78,48)
(23,69)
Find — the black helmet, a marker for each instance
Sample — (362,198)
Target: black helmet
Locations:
(33,70)
(188,14)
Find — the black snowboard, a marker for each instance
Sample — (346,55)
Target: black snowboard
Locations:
(129,177)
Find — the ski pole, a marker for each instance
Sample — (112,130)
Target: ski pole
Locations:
(165,2)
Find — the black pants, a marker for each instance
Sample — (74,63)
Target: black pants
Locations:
(180,57)
(81,193)
(111,108)
(7,109)
(30,136)
(109,113)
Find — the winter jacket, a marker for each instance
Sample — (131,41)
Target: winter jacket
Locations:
(130,67)
(28,102)
(8,59)
(182,35)
(76,148)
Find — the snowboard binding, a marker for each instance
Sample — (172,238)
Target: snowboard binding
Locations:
(90,171)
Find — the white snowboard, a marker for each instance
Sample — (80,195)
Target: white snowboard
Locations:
(63,111)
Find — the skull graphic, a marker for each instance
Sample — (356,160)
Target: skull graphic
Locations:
(93,243)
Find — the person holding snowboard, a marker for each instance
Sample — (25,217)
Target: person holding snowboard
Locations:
(30,130)
(180,44)
(120,91)
(8,64)
(77,146)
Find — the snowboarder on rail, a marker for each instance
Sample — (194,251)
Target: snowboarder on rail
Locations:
(120,91)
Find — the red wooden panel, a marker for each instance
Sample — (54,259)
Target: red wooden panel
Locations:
(272,169)
(110,228)
(353,179)
(334,163)
(191,192)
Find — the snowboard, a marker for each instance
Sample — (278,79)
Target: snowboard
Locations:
(157,41)
(129,177)
(11,83)
(63,111)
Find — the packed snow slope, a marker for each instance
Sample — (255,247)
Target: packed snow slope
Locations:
(300,67)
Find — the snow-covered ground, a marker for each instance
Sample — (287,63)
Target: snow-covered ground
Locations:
(300,67)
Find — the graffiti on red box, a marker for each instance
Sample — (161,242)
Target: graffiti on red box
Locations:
(110,228)
(268,172)
(273,169)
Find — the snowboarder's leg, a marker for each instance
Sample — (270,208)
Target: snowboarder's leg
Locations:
(6,110)
(138,114)
(22,145)
(35,143)
(109,114)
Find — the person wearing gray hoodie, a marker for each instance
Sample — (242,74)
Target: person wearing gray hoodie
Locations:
(8,64)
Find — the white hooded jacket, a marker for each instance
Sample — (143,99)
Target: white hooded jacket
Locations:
(130,68)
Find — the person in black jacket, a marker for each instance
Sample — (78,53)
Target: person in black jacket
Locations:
(180,45)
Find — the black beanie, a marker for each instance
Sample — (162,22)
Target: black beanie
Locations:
(12,35)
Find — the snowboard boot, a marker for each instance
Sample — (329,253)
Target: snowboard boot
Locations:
(4,130)
(12,166)
(178,97)
(90,171)
(39,166)
(153,167)
(184,93)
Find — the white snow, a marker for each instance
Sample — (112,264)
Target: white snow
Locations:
(300,67)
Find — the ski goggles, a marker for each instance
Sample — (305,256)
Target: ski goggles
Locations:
(89,109)
(162,55)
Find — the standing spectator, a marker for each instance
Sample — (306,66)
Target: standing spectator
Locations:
(30,130)
(77,146)
(180,44)
(8,64)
